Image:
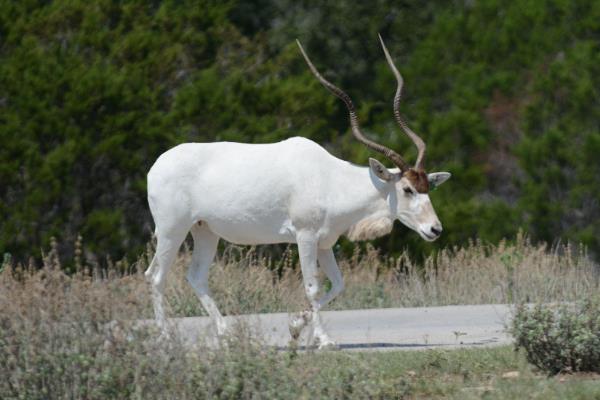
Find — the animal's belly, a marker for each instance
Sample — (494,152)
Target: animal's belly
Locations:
(253,233)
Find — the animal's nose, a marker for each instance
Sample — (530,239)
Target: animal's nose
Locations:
(436,230)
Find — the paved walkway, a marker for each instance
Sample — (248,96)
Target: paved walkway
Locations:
(380,329)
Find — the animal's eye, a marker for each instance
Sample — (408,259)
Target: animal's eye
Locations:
(408,190)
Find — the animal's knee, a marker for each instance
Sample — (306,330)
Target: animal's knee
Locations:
(157,280)
(337,285)
(190,276)
(311,289)
(150,270)
(197,281)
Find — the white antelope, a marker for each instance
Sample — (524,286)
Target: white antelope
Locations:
(293,191)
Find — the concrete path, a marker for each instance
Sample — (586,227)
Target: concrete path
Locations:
(379,329)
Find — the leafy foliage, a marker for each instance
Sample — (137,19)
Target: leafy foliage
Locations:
(566,339)
(504,93)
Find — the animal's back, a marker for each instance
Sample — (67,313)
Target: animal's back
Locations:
(245,192)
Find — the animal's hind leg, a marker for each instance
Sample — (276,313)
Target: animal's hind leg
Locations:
(205,247)
(167,246)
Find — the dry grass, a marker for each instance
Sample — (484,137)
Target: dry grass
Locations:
(242,282)
(71,336)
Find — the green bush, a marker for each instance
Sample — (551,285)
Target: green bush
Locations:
(560,339)
(91,93)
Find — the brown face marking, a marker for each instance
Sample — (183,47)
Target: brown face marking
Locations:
(418,178)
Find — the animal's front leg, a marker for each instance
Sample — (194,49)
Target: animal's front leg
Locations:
(307,249)
(329,266)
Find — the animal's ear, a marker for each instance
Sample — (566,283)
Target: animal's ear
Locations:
(437,178)
(380,170)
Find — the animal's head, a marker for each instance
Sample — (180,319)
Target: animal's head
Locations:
(410,202)
(411,185)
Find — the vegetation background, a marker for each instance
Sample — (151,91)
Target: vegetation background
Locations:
(506,94)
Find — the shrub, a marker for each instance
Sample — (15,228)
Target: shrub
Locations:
(560,339)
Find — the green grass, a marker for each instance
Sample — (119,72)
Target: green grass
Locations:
(461,374)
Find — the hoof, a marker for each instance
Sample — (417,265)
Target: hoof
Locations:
(222,329)
(326,344)
(164,337)
(297,324)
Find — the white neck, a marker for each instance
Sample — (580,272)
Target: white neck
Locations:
(363,204)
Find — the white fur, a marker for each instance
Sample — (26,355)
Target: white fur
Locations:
(293,191)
